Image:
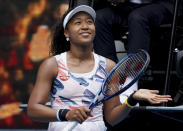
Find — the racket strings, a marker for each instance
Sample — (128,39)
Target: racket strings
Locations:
(125,73)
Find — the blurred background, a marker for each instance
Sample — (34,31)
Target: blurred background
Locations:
(25,27)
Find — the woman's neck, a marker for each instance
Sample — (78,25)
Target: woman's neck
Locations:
(81,56)
(80,53)
(80,62)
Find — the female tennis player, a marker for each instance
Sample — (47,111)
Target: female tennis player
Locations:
(72,76)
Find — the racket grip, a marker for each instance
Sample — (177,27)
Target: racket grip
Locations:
(70,126)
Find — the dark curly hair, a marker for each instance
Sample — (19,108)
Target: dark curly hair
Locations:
(59,43)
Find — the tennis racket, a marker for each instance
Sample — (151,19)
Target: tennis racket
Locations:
(131,67)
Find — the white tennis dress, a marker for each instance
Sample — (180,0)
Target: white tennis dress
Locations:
(70,90)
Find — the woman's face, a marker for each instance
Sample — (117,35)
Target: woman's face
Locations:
(81,29)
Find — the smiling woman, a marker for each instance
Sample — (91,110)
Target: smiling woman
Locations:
(73,76)
(82,32)
(76,71)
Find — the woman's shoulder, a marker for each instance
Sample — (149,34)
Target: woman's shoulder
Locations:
(48,68)
(53,59)
(49,63)
(110,64)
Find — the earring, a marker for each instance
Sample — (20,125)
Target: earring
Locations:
(67,39)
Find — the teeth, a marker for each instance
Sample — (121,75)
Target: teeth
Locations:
(85,33)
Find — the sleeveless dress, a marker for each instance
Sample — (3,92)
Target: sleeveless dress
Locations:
(70,90)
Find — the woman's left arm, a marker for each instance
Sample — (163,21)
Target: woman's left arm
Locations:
(115,112)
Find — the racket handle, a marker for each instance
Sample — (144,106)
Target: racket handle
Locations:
(70,126)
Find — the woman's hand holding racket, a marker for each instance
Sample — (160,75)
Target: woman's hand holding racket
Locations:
(79,114)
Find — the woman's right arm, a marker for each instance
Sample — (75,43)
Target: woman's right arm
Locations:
(39,96)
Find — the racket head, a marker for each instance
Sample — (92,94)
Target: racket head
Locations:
(126,72)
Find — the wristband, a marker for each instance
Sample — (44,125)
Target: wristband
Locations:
(61,114)
(58,118)
(131,101)
(128,105)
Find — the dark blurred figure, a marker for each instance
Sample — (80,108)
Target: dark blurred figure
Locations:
(140,18)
